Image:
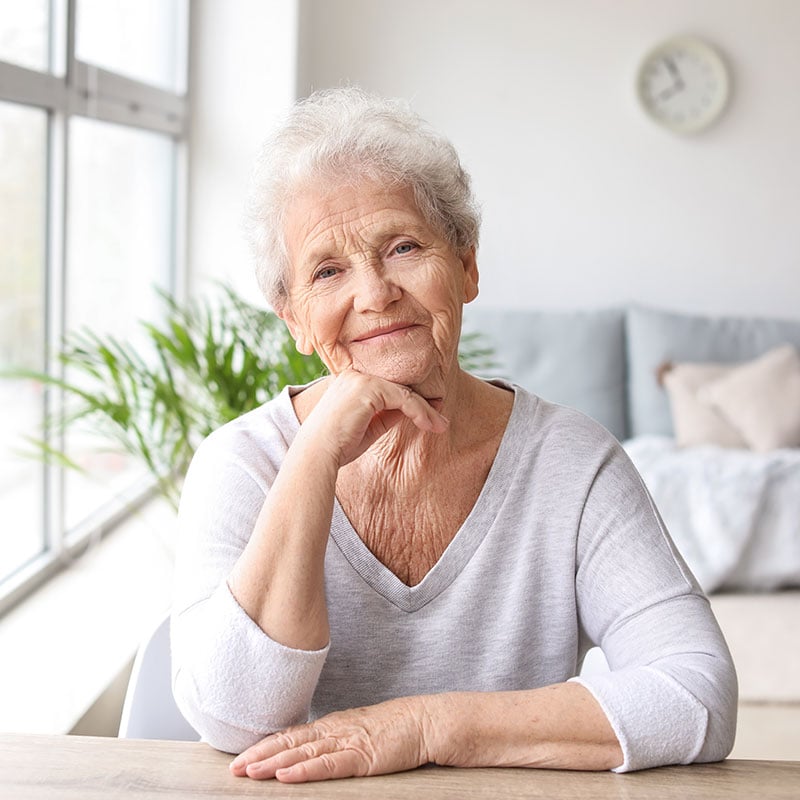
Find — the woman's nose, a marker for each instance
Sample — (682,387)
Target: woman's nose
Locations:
(375,290)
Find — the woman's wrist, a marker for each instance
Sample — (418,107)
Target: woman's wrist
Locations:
(443,720)
(312,452)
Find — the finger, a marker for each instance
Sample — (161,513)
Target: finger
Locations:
(415,407)
(385,396)
(258,752)
(260,770)
(327,766)
(271,746)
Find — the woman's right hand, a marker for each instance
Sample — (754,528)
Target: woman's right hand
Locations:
(357,409)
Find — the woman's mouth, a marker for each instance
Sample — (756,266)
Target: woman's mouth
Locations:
(385,333)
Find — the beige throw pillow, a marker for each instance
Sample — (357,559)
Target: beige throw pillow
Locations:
(761,399)
(695,422)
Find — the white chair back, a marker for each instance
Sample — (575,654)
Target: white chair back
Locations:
(150,711)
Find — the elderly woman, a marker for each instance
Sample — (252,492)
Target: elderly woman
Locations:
(402,563)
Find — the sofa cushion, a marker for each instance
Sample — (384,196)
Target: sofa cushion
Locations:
(761,399)
(695,422)
(654,336)
(574,358)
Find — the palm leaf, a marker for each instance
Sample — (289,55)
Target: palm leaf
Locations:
(203,364)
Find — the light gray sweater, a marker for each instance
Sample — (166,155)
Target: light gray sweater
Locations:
(563,549)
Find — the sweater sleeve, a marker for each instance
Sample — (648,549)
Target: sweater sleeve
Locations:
(671,693)
(231,681)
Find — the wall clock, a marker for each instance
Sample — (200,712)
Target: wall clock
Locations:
(683,84)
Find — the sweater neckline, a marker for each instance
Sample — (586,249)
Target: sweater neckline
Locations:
(464,544)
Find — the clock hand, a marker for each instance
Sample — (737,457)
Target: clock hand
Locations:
(670,91)
(672,67)
(677,80)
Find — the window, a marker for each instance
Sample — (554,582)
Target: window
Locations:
(93,117)
(23,170)
(24,33)
(136,39)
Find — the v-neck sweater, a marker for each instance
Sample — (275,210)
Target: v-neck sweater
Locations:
(562,550)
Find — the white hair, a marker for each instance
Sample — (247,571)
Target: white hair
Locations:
(348,134)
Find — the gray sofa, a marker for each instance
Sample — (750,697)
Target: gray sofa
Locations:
(605,363)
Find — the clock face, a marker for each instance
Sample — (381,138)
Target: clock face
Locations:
(683,84)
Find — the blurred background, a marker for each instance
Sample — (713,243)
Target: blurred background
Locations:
(127,133)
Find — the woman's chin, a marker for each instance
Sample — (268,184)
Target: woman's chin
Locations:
(407,371)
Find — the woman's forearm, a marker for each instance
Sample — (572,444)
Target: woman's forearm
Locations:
(279,578)
(560,726)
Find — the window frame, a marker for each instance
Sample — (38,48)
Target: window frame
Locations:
(75,88)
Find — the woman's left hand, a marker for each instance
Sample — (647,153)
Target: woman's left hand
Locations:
(388,737)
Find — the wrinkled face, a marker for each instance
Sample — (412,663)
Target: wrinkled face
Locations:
(373,287)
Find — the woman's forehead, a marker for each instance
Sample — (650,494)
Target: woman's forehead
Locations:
(332,216)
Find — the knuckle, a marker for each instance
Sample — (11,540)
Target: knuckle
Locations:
(308,749)
(295,737)
(351,376)
(284,739)
(328,761)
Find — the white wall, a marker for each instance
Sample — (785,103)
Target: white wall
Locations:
(586,202)
(243,75)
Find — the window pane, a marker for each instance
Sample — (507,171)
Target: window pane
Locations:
(24,33)
(119,234)
(137,38)
(23,158)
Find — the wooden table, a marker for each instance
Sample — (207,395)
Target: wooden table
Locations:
(84,768)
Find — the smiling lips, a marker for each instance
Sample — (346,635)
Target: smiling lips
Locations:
(382,333)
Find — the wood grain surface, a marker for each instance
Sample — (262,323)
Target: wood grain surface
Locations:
(87,768)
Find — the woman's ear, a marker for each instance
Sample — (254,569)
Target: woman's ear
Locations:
(470,263)
(301,342)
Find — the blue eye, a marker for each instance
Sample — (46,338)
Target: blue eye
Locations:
(404,248)
(325,272)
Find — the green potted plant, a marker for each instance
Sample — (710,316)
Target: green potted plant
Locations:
(206,363)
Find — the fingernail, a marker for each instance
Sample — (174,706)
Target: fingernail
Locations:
(283,773)
(237,762)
